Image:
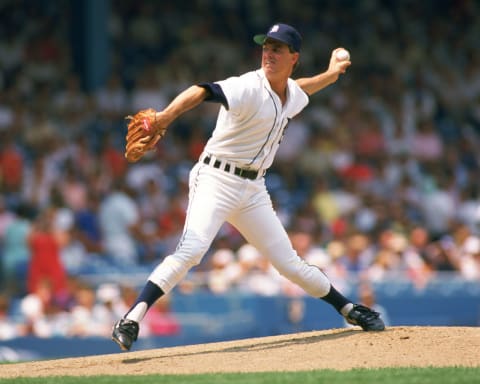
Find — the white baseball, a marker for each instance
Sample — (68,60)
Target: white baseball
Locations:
(343,55)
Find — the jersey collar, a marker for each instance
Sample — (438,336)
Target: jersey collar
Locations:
(262,75)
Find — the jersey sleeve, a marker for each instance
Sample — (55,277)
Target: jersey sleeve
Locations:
(215,94)
(238,93)
(301,99)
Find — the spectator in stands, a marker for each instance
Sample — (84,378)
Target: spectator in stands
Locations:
(87,316)
(170,223)
(11,164)
(154,202)
(111,157)
(415,255)
(148,93)
(82,158)
(9,329)
(314,160)
(72,105)
(86,226)
(463,251)
(112,102)
(369,140)
(16,252)
(110,296)
(42,315)
(72,252)
(38,182)
(335,269)
(12,51)
(45,266)
(359,253)
(468,211)
(6,216)
(120,226)
(470,259)
(224,271)
(325,203)
(437,201)
(257,275)
(72,187)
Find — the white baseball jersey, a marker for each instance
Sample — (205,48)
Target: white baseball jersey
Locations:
(250,131)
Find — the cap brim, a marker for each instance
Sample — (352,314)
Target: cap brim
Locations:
(259,39)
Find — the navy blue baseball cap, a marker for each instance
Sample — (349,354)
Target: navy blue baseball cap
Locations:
(284,33)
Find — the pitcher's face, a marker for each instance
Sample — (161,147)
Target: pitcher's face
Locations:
(277,60)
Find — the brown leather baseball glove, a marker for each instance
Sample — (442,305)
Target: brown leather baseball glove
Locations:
(142,134)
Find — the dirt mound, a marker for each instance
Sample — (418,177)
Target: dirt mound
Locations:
(339,349)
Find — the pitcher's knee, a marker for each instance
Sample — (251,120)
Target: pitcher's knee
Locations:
(175,266)
(191,249)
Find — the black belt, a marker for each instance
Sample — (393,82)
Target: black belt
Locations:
(245,173)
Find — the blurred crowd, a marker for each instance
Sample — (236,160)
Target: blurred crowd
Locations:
(79,311)
(378,178)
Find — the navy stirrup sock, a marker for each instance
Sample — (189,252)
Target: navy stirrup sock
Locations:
(338,301)
(150,293)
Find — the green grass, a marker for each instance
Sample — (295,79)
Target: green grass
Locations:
(356,376)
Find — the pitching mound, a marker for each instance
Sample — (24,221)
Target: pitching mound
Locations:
(339,349)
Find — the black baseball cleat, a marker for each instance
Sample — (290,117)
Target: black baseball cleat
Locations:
(124,333)
(366,318)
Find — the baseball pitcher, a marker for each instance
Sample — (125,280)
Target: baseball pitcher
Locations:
(227,183)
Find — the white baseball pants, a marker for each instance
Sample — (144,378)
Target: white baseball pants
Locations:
(216,196)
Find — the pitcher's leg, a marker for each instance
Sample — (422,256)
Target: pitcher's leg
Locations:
(262,228)
(163,278)
(211,200)
(209,205)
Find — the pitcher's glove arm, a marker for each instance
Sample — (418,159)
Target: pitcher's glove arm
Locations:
(143,134)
